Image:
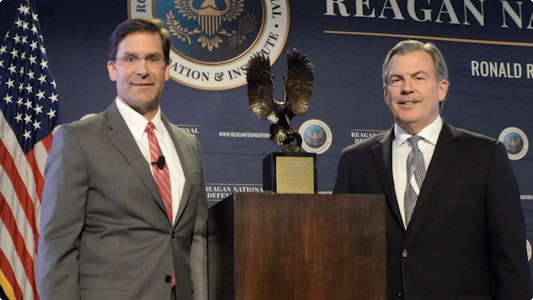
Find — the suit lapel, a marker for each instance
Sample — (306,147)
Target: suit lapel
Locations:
(184,165)
(121,137)
(382,156)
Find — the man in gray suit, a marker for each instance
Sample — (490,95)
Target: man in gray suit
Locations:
(106,231)
(463,237)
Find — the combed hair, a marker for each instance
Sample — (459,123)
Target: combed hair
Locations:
(408,46)
(139,25)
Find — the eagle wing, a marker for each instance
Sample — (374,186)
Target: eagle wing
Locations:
(260,85)
(233,9)
(298,82)
(186,9)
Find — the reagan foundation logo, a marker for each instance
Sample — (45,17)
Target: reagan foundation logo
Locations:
(515,141)
(212,40)
(316,136)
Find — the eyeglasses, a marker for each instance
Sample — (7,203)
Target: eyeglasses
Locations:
(153,61)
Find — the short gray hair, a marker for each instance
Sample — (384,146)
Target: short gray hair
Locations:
(408,46)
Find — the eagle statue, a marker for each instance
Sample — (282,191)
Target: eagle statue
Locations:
(298,86)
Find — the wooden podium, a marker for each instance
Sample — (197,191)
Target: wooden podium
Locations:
(297,246)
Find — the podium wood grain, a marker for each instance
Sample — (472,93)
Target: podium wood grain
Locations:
(297,246)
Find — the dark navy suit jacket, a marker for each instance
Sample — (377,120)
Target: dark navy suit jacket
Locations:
(466,238)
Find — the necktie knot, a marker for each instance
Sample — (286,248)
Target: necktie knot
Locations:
(413,141)
(150,127)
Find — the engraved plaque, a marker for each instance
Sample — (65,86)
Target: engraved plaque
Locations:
(290,173)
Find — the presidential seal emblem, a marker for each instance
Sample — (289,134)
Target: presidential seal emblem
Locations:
(316,136)
(213,40)
(515,141)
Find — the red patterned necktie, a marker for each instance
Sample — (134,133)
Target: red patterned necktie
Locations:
(161,175)
(160,171)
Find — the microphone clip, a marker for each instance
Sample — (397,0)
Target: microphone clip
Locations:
(160,162)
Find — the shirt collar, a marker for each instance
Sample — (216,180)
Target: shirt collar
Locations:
(430,133)
(136,122)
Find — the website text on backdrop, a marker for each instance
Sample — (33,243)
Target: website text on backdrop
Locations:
(291,169)
(124,211)
(466,235)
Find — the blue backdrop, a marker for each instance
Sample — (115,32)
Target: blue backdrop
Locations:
(488,47)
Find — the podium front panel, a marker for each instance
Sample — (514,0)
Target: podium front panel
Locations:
(297,246)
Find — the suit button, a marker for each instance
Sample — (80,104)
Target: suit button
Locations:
(168,278)
(399,294)
(173,235)
(405,253)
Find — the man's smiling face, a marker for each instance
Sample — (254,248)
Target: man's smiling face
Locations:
(412,91)
(139,85)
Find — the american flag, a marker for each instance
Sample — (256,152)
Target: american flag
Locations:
(29,104)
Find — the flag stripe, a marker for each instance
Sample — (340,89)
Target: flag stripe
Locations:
(38,179)
(37,161)
(8,278)
(41,150)
(20,194)
(8,219)
(26,216)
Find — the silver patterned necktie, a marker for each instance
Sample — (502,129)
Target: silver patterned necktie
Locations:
(417,168)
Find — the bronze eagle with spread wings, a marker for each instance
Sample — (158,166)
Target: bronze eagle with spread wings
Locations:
(298,86)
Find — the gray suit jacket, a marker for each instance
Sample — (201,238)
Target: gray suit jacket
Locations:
(104,232)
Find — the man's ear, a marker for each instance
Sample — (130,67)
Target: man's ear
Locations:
(112,70)
(385,94)
(443,89)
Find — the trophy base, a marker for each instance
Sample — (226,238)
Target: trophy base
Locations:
(290,173)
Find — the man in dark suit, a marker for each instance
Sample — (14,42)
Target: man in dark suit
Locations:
(460,234)
(124,208)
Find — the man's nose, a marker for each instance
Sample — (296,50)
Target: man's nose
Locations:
(407,86)
(142,68)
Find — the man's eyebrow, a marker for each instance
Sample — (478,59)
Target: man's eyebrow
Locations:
(127,53)
(395,76)
(421,72)
(401,76)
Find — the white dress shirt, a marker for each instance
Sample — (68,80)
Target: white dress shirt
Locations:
(400,151)
(137,125)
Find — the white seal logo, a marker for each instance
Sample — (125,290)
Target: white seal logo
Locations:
(515,141)
(212,40)
(316,136)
